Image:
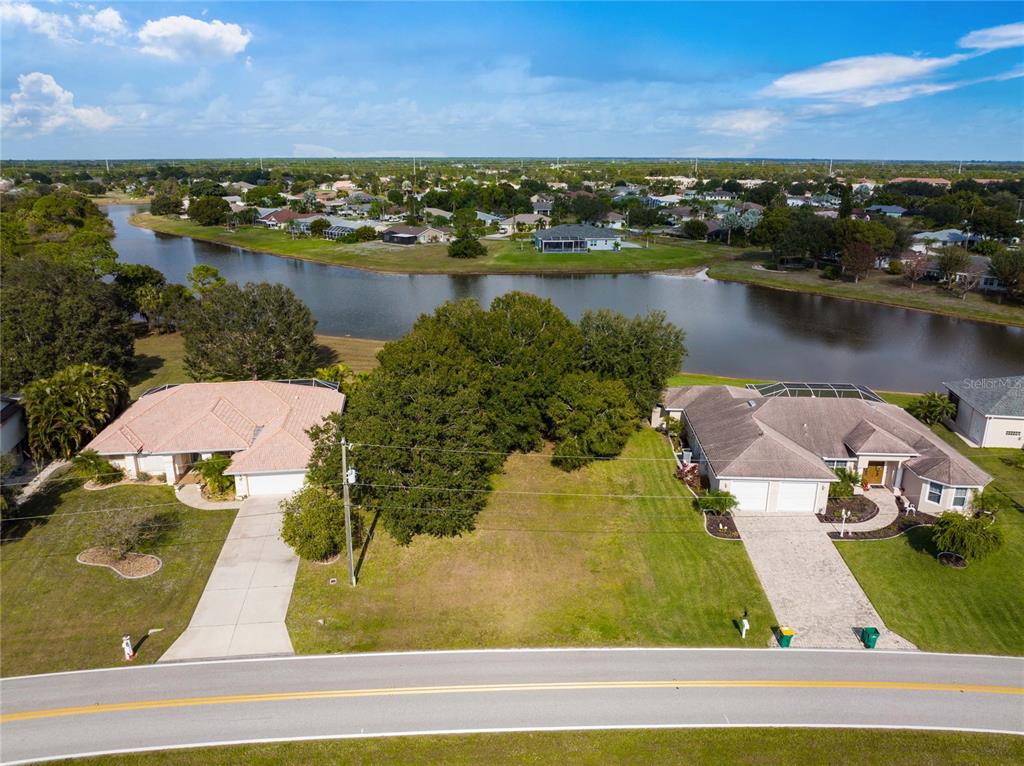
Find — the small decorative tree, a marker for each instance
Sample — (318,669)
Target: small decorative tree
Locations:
(847,481)
(971,537)
(121,534)
(314,523)
(92,466)
(212,472)
(717,502)
(932,408)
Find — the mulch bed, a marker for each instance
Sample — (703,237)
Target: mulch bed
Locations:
(861,509)
(900,524)
(134,566)
(94,485)
(953,560)
(722,527)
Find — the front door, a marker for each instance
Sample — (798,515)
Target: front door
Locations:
(874,473)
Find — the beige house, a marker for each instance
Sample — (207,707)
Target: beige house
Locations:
(989,411)
(262,424)
(778,454)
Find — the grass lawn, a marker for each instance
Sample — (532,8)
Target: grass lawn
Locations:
(503,257)
(160,359)
(898,398)
(651,746)
(62,615)
(979,609)
(878,288)
(546,570)
(119,199)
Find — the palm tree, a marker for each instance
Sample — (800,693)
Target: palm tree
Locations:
(932,408)
(70,407)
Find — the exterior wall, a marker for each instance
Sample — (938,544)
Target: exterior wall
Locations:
(915,490)
(257,484)
(171,467)
(1004,432)
(13,433)
(817,505)
(602,244)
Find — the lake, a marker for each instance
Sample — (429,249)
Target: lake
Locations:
(732,329)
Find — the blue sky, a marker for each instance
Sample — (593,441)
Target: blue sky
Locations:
(867,80)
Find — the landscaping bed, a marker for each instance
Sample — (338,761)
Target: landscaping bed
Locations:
(899,525)
(134,566)
(723,527)
(861,509)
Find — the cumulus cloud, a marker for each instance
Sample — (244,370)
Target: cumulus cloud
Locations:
(752,123)
(993,38)
(40,105)
(183,37)
(856,74)
(106,25)
(56,26)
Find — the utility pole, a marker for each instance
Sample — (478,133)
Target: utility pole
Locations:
(349,478)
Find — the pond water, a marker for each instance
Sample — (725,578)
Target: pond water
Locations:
(732,329)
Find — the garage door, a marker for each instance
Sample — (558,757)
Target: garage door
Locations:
(753,495)
(275,483)
(797,496)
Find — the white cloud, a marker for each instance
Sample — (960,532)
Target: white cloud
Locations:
(183,37)
(40,105)
(512,75)
(858,73)
(993,38)
(752,123)
(107,25)
(53,25)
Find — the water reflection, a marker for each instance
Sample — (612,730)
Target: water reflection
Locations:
(732,329)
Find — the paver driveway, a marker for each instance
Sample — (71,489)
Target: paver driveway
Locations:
(808,584)
(242,609)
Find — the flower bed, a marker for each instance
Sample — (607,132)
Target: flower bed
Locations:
(899,525)
(861,509)
(721,526)
(134,566)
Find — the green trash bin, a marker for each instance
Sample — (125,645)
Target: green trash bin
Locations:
(785,637)
(869,636)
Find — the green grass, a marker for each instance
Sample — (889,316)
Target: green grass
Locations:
(852,747)
(546,570)
(503,257)
(899,398)
(877,288)
(979,609)
(62,615)
(160,359)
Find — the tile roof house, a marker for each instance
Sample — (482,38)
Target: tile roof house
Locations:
(777,454)
(989,411)
(261,424)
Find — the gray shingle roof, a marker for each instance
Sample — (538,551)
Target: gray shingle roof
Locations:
(744,434)
(575,230)
(992,396)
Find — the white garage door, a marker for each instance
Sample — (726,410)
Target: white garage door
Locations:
(796,496)
(275,483)
(753,495)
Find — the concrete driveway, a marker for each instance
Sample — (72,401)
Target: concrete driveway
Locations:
(808,584)
(242,609)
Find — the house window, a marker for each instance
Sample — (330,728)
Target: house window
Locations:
(834,464)
(960,497)
(934,492)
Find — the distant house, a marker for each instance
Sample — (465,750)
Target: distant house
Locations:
(892,211)
(433,212)
(524,221)
(487,218)
(576,238)
(989,411)
(543,206)
(683,213)
(279,219)
(664,200)
(929,181)
(613,220)
(798,201)
(401,234)
(717,196)
(262,424)
(925,240)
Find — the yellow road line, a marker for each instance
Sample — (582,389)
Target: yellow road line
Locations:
(120,707)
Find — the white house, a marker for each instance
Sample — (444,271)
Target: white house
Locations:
(261,424)
(777,454)
(576,238)
(989,411)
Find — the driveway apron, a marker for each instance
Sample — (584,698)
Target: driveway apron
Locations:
(808,584)
(242,610)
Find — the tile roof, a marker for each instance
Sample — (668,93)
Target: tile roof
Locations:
(744,434)
(263,423)
(992,396)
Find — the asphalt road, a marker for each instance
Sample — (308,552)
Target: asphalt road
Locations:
(167,705)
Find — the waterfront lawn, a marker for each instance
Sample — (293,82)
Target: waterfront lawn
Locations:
(570,568)
(859,747)
(979,609)
(879,287)
(160,359)
(899,398)
(503,256)
(62,615)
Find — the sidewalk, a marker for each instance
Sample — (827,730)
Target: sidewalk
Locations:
(808,584)
(243,608)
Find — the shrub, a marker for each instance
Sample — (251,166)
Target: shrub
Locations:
(314,523)
(120,533)
(212,472)
(847,481)
(895,267)
(466,248)
(932,408)
(972,537)
(690,476)
(92,466)
(717,502)
(831,272)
